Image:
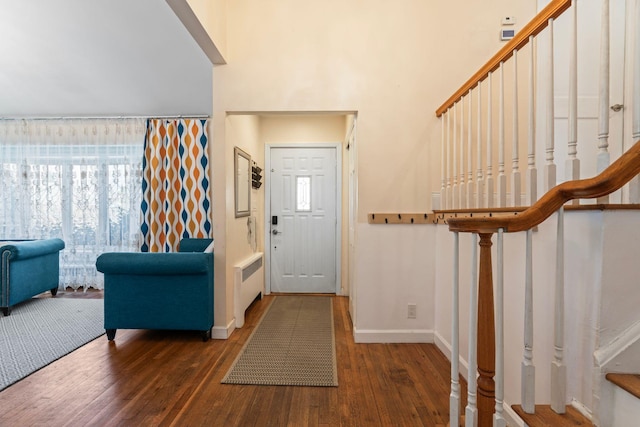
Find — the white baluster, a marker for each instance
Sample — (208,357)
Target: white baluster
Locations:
(498,417)
(532,171)
(490,201)
(455,194)
(634,185)
(454,398)
(448,204)
(558,368)
(636,76)
(471,412)
(470,186)
(480,175)
(572,164)
(463,188)
(550,167)
(604,157)
(502,178)
(528,379)
(443,172)
(515,165)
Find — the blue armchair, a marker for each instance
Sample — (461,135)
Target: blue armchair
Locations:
(28,268)
(159,290)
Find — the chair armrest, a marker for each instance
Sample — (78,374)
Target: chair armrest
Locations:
(154,264)
(32,248)
(194,245)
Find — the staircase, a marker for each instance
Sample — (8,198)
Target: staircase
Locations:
(617,347)
(582,304)
(545,416)
(626,395)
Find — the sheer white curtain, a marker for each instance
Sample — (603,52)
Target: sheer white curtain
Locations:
(77,179)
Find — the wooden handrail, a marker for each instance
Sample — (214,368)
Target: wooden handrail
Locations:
(611,179)
(532,28)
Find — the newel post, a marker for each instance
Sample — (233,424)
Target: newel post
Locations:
(486,336)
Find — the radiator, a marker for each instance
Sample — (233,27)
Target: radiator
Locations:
(248,285)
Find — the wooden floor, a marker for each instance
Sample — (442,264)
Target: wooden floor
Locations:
(163,378)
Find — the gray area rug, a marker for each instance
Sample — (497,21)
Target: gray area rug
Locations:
(293,344)
(43,330)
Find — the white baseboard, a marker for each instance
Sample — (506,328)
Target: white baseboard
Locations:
(371,336)
(221,332)
(583,409)
(606,355)
(513,420)
(442,344)
(510,416)
(445,348)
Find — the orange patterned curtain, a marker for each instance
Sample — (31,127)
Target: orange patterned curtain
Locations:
(175,184)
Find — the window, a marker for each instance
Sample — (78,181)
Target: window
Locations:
(77,181)
(303,193)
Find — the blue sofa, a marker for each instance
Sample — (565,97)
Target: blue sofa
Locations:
(145,290)
(28,268)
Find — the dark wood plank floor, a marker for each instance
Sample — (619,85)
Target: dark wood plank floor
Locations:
(164,378)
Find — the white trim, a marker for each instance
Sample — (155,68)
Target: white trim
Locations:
(445,347)
(267,207)
(370,336)
(191,22)
(513,420)
(509,414)
(604,355)
(582,408)
(221,332)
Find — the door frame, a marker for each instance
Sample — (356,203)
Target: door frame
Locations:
(267,207)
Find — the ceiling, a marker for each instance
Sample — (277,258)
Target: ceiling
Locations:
(69,58)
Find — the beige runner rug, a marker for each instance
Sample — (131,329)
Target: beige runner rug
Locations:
(293,344)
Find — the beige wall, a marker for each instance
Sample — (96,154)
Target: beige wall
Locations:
(393,63)
(242,131)
(212,15)
(301,128)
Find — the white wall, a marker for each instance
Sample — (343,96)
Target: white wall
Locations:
(396,269)
(620,274)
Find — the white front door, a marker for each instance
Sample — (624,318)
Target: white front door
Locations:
(303,219)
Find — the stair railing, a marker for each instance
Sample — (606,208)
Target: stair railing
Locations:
(489,332)
(472,129)
(468,192)
(484,121)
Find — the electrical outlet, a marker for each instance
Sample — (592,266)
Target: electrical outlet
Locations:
(411,311)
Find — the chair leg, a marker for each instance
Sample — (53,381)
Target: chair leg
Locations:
(6,311)
(54,291)
(206,335)
(111,334)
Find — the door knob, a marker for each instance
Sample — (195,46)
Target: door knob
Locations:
(617,107)
(274,232)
